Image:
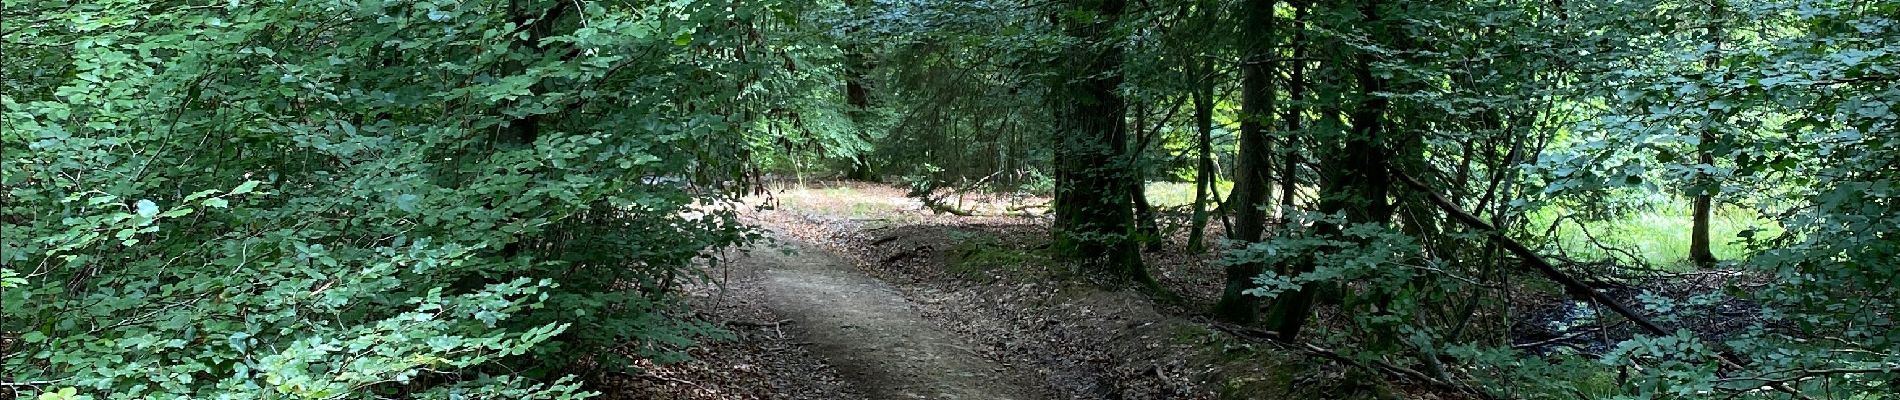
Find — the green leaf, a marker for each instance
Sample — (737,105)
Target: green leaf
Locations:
(245,187)
(67,393)
(199,195)
(146,208)
(217,202)
(406,202)
(176,212)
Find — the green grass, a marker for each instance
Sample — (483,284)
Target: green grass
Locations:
(1659,236)
(1181,194)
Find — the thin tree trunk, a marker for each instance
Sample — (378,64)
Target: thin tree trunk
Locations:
(1705,187)
(1296,93)
(857,97)
(1358,184)
(1204,174)
(1146,228)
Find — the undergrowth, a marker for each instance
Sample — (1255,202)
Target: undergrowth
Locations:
(976,255)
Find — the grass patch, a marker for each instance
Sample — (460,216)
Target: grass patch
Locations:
(1181,194)
(839,201)
(1658,236)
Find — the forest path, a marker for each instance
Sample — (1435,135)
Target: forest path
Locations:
(870,331)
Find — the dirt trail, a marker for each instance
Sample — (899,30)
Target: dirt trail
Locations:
(872,333)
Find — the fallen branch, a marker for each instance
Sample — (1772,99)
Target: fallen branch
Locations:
(1799,375)
(1566,337)
(1571,285)
(938,206)
(32,384)
(1024,207)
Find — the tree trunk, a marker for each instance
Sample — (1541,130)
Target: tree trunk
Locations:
(1252,170)
(1094,219)
(1357,184)
(524,131)
(1147,230)
(1204,174)
(1296,94)
(1705,186)
(857,97)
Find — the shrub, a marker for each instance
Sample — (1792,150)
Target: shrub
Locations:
(432,199)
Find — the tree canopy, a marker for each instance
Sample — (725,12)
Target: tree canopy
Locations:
(501,199)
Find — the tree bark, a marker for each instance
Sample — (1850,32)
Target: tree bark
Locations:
(1094,220)
(1251,173)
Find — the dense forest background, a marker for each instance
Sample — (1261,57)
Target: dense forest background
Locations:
(501,199)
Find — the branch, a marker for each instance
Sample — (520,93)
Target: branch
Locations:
(750,324)
(1565,337)
(1571,285)
(1811,373)
(34,384)
(651,376)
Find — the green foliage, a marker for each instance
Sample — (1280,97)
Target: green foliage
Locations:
(976,255)
(1577,127)
(958,87)
(1800,97)
(1533,115)
(424,199)
(811,130)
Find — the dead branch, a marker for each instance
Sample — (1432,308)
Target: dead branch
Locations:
(1571,285)
(1566,337)
(1799,375)
(935,204)
(668,379)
